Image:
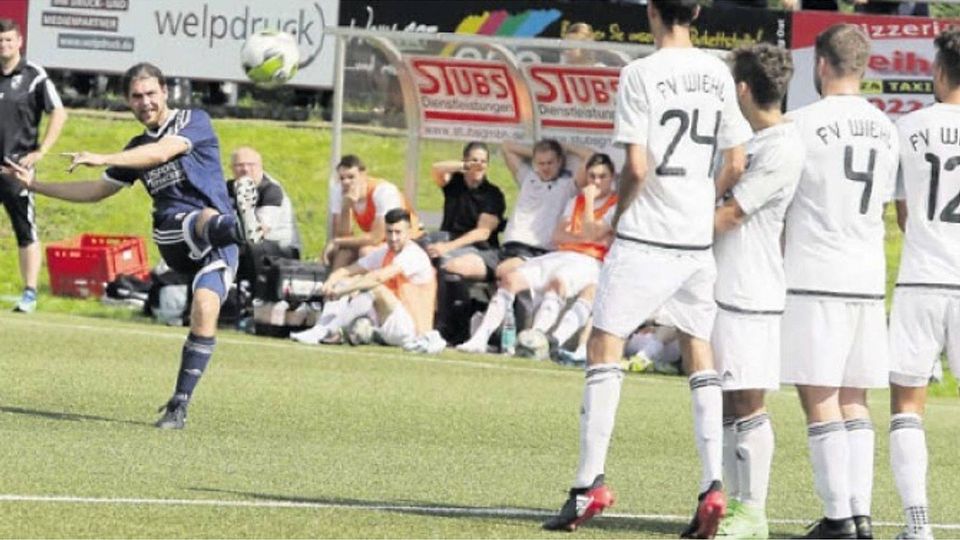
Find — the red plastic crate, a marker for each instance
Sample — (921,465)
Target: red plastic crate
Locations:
(84,265)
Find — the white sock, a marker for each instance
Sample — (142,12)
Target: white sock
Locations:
(548,312)
(830,457)
(860,440)
(755,448)
(359,306)
(601,396)
(731,465)
(496,311)
(574,319)
(908,459)
(707,400)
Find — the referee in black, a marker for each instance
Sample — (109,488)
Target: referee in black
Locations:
(25,93)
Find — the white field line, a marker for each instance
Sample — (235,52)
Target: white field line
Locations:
(388,352)
(373,507)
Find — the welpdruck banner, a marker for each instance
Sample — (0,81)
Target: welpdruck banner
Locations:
(467,99)
(197,39)
(898,76)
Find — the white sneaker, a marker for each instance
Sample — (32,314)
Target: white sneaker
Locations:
(246,192)
(433,342)
(470,347)
(310,336)
(908,533)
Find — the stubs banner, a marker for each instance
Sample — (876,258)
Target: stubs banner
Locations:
(898,76)
(197,39)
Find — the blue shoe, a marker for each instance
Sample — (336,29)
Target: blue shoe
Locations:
(27,302)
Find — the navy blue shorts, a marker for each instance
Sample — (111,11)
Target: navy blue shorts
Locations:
(211,267)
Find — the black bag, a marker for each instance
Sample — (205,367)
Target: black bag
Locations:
(291,281)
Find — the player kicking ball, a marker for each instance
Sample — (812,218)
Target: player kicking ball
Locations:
(925,319)
(675,108)
(177,158)
(750,285)
(834,324)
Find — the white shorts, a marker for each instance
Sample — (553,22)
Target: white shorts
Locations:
(834,343)
(637,280)
(746,350)
(922,325)
(574,270)
(398,326)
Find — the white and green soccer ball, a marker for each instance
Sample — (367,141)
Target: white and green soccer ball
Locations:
(361,331)
(270,57)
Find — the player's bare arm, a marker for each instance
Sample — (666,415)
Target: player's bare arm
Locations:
(365,281)
(441,170)
(486,224)
(631,178)
(84,191)
(513,156)
(728,216)
(734,163)
(141,157)
(58,117)
(582,154)
(376,236)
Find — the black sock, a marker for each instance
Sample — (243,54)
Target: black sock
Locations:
(197,351)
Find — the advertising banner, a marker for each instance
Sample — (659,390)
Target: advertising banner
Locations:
(184,38)
(575,104)
(16,10)
(898,79)
(625,23)
(466,99)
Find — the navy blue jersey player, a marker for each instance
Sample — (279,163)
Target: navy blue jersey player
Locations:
(177,158)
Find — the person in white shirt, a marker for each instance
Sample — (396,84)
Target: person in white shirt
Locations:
(675,109)
(750,284)
(582,238)
(546,186)
(395,285)
(361,199)
(925,319)
(834,338)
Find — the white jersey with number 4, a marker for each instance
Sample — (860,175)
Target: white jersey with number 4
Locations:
(749,263)
(834,227)
(930,183)
(680,103)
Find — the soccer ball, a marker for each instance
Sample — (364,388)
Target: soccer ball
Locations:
(270,57)
(360,331)
(533,344)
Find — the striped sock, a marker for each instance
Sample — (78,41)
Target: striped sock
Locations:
(601,396)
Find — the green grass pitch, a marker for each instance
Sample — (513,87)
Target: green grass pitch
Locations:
(290,441)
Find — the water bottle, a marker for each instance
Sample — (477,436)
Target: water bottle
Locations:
(508,333)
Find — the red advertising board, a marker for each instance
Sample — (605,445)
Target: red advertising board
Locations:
(898,75)
(574,97)
(466,99)
(16,10)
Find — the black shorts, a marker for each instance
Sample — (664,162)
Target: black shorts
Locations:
(185,254)
(20,207)
(519,250)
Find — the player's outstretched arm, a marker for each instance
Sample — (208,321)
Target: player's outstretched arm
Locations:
(86,191)
(141,157)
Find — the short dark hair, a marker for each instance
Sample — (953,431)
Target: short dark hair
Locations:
(948,54)
(143,70)
(549,145)
(845,47)
(474,145)
(676,12)
(765,68)
(396,215)
(600,159)
(350,161)
(7,25)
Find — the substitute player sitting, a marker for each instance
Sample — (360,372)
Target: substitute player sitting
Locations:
(177,158)
(925,319)
(582,238)
(675,109)
(362,200)
(750,285)
(395,285)
(834,326)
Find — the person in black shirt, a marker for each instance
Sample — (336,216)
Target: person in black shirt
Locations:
(25,94)
(473,215)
